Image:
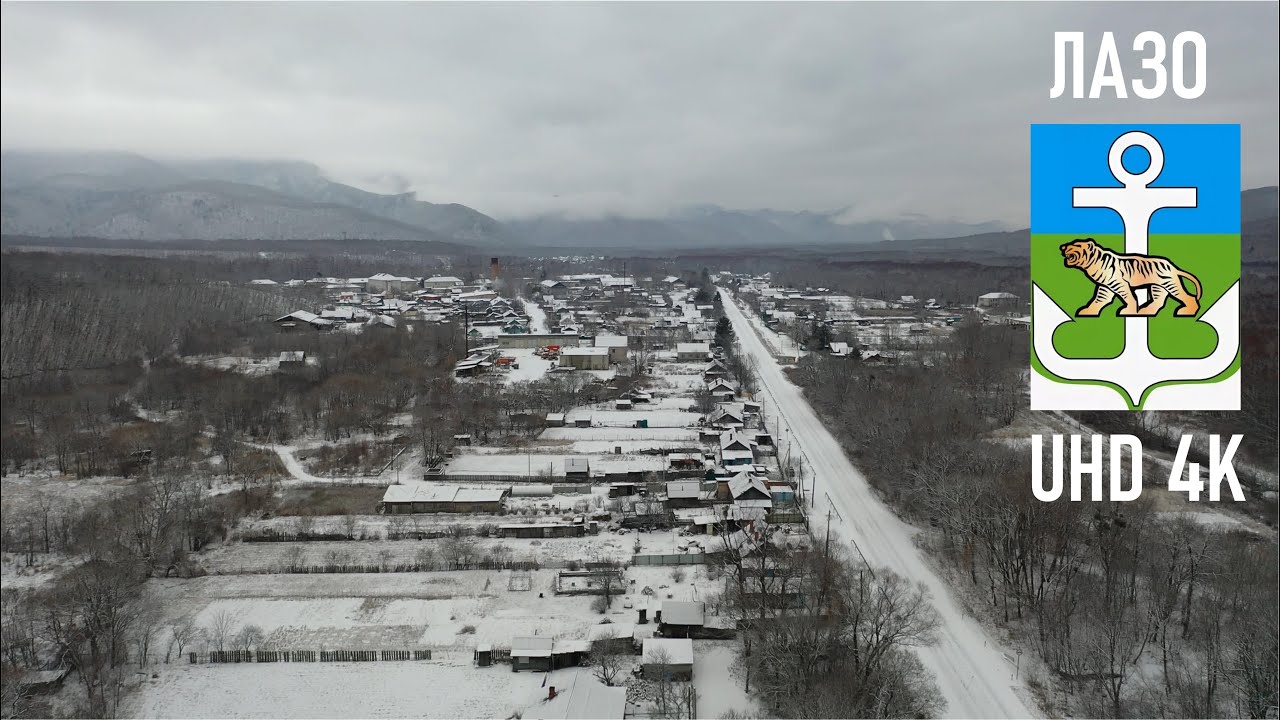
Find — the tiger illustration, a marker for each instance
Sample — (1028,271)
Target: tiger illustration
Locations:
(1117,275)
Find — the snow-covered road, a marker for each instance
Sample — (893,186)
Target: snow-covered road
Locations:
(537,316)
(974,675)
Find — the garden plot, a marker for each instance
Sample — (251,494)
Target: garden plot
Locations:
(532,464)
(632,446)
(450,689)
(670,418)
(665,434)
(457,609)
(236,558)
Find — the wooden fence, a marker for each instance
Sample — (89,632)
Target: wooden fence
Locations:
(270,656)
(503,479)
(679,559)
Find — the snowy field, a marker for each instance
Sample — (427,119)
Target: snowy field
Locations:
(450,688)
(532,464)
(664,418)
(456,609)
(682,435)
(256,557)
(23,493)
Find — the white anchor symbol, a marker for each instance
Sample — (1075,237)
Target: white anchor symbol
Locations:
(1136,369)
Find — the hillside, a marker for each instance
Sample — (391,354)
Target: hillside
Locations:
(120,196)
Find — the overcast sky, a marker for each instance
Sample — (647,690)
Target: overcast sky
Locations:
(636,108)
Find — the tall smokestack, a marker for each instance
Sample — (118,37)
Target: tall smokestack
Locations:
(494,269)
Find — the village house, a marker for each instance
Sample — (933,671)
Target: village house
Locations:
(302,318)
(728,416)
(721,390)
(545,654)
(684,493)
(841,349)
(614,636)
(693,352)
(735,450)
(750,491)
(617,345)
(998,301)
(577,468)
(680,619)
(715,369)
(669,657)
(585,698)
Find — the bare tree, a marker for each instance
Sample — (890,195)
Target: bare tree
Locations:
(222,629)
(250,637)
(671,699)
(181,633)
(606,662)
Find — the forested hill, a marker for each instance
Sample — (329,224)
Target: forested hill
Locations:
(72,312)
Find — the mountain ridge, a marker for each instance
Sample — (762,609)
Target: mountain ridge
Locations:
(126,196)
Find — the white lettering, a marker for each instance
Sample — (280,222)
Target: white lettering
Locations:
(1193,484)
(1106,73)
(1118,445)
(1093,468)
(1037,469)
(1220,468)
(1060,42)
(1197,43)
(1155,64)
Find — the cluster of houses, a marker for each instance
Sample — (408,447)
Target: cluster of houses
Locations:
(384,300)
(883,327)
(601,304)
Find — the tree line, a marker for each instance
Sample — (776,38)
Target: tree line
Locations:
(1131,614)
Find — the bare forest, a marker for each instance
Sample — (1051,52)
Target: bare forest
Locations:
(1131,612)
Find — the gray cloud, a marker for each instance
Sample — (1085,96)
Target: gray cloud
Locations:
(884,109)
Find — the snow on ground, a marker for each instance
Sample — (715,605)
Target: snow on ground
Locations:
(380,610)
(1209,519)
(22,493)
(637,434)
(15,574)
(451,688)
(244,365)
(541,463)
(299,473)
(971,671)
(668,418)
(531,367)
(235,558)
(449,612)
(630,446)
(719,683)
(780,343)
(537,316)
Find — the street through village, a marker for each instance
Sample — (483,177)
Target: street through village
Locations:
(972,672)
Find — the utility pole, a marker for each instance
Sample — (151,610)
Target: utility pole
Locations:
(466,330)
(826,550)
